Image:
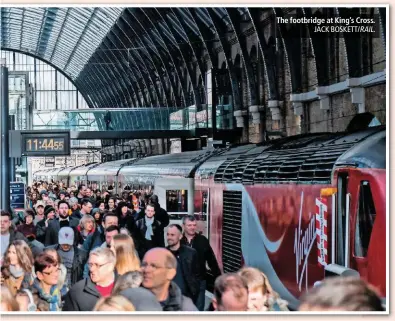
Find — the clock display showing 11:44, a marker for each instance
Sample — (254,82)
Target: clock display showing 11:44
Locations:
(44,144)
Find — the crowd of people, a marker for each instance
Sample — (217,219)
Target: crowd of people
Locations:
(74,249)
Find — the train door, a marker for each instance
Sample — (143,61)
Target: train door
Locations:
(176,195)
(368,240)
(343,213)
(201,202)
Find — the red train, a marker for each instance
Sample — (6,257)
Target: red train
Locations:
(301,208)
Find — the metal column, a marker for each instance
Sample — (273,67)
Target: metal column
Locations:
(11,123)
(4,143)
(214,102)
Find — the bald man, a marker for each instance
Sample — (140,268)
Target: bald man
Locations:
(159,268)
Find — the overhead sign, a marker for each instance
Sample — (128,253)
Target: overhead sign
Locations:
(17,195)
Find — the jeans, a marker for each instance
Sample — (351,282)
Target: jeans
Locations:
(202,296)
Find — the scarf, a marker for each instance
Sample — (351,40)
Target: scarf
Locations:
(16,273)
(148,223)
(54,298)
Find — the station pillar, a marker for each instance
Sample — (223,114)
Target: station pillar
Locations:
(4,142)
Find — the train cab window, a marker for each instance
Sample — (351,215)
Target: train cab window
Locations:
(177,200)
(366,216)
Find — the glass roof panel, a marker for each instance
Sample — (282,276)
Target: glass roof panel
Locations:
(66,37)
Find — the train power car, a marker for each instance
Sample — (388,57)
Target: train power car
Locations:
(301,208)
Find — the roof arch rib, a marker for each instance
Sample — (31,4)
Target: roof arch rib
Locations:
(193,40)
(182,46)
(136,44)
(220,31)
(144,17)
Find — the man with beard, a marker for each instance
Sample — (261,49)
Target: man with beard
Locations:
(187,277)
(42,225)
(51,235)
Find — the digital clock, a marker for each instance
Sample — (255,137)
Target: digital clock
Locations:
(42,143)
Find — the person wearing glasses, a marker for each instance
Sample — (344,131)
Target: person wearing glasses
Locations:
(159,267)
(84,295)
(47,272)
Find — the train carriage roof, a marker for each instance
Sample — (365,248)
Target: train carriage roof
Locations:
(306,158)
(178,164)
(65,171)
(82,170)
(109,168)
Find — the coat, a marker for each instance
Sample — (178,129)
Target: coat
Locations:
(41,230)
(188,259)
(127,222)
(82,296)
(142,244)
(205,254)
(176,301)
(52,231)
(80,258)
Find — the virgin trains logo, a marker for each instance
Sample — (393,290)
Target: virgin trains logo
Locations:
(304,241)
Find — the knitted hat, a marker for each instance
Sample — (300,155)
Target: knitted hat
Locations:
(48,209)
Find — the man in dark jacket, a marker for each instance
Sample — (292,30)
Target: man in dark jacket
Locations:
(51,235)
(86,208)
(84,295)
(205,255)
(187,277)
(72,257)
(159,268)
(161,214)
(149,232)
(42,225)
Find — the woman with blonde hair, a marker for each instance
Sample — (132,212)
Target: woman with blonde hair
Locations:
(123,247)
(17,270)
(114,303)
(261,296)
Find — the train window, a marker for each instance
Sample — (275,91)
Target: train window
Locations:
(177,200)
(366,216)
